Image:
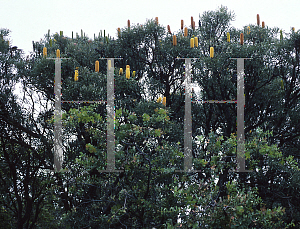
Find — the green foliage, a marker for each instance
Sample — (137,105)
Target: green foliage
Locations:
(148,191)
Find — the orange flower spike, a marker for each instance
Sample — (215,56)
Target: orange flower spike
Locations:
(119,32)
(128,24)
(169,30)
(263,24)
(185,31)
(174,40)
(156,20)
(97,66)
(164,101)
(257,18)
(192,22)
(242,38)
(181,24)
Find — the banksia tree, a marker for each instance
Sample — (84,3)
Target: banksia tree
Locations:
(242,38)
(258,20)
(97,66)
(185,31)
(211,52)
(174,40)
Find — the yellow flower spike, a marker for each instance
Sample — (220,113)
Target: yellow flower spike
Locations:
(156,20)
(181,24)
(185,31)
(174,40)
(211,52)
(109,64)
(45,52)
(97,66)
(258,20)
(76,75)
(228,37)
(133,74)
(50,42)
(164,101)
(127,72)
(57,53)
(196,41)
(242,38)
(192,43)
(293,28)
(121,71)
(159,100)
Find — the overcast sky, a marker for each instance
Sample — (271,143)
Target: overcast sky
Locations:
(29,20)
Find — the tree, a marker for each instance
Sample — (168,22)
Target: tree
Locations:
(149,136)
(25,150)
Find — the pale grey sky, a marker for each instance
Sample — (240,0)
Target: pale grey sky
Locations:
(29,20)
